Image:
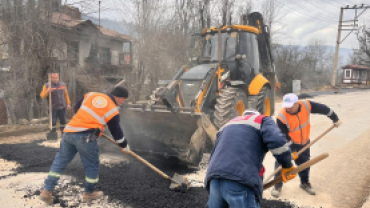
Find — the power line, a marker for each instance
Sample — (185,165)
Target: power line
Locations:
(340,29)
(318,20)
(293,10)
(319,7)
(313,11)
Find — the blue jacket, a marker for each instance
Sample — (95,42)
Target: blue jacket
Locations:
(240,149)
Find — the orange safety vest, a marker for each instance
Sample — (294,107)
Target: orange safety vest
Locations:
(298,125)
(96,110)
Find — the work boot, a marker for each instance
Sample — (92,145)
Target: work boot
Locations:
(92,196)
(47,197)
(276,191)
(308,188)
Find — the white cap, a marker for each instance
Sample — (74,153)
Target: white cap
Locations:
(289,100)
(251,112)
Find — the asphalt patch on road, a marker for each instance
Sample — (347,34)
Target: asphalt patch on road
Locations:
(129,184)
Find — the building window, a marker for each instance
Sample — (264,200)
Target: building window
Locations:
(126,47)
(105,55)
(347,73)
(356,74)
(364,74)
(72,50)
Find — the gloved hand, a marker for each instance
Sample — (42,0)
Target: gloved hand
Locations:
(294,155)
(126,149)
(283,173)
(338,123)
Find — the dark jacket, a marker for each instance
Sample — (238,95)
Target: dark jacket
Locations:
(240,149)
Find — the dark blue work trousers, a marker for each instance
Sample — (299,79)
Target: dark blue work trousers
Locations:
(303,157)
(70,145)
(61,114)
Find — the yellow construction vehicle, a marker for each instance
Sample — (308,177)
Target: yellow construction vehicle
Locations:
(233,72)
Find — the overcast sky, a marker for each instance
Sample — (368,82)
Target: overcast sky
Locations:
(307,19)
(300,20)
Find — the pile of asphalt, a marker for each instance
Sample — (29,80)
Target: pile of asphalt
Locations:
(126,184)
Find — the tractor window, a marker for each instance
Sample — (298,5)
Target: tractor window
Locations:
(207,46)
(214,41)
(231,41)
(249,47)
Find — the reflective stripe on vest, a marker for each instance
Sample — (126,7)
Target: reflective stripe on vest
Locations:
(292,132)
(76,129)
(251,120)
(102,120)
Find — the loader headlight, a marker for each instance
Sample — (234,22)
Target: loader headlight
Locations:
(209,30)
(244,56)
(238,56)
(228,29)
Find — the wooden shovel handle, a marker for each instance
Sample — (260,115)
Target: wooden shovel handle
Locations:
(150,166)
(302,150)
(297,169)
(50,110)
(315,140)
(142,160)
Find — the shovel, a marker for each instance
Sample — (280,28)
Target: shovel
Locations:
(297,169)
(302,150)
(178,182)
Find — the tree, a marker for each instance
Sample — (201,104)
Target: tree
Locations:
(272,16)
(289,65)
(364,47)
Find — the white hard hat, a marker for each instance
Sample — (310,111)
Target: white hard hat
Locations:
(251,112)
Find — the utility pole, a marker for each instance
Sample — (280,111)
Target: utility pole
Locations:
(340,29)
(335,65)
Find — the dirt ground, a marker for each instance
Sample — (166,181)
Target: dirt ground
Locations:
(341,180)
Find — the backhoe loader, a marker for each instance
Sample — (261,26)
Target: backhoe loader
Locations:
(233,71)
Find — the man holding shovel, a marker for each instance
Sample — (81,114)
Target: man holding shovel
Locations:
(294,121)
(235,170)
(93,113)
(60,102)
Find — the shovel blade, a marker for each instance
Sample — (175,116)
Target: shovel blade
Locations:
(182,180)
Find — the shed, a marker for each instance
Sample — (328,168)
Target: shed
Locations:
(356,74)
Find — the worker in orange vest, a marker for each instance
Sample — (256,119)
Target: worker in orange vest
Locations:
(294,121)
(93,113)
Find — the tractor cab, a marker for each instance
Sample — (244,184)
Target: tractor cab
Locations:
(239,50)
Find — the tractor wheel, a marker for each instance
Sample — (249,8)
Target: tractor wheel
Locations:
(230,103)
(264,102)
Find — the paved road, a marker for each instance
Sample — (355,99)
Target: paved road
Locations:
(331,92)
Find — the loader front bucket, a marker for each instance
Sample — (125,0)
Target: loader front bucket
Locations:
(161,132)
